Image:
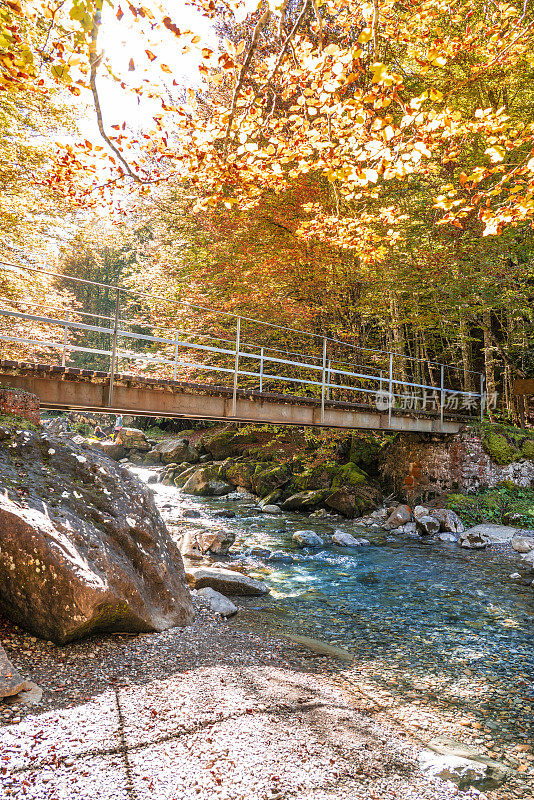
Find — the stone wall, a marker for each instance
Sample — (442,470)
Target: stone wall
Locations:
(21,404)
(419,466)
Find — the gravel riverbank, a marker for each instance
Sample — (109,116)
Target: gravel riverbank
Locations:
(209,711)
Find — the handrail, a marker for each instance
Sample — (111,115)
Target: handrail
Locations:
(333,371)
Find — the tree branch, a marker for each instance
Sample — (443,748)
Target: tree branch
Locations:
(260,25)
(94,63)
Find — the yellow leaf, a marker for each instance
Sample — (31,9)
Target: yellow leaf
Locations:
(365,36)
(496,153)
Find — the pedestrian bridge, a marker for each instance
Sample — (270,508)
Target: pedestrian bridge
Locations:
(112,349)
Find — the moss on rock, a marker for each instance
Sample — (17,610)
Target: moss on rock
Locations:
(527,449)
(499,448)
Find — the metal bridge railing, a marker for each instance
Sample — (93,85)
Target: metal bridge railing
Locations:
(150,344)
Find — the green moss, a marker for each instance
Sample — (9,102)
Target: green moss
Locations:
(499,448)
(527,449)
(364,450)
(348,476)
(17,423)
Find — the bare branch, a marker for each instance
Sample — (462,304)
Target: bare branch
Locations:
(94,63)
(287,41)
(319,22)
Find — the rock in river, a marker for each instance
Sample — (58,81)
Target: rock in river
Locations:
(226,581)
(307,539)
(206,483)
(343,539)
(82,546)
(523,544)
(473,539)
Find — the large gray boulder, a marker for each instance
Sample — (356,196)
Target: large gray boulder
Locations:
(82,546)
(226,581)
(427,525)
(343,539)
(474,539)
(113,450)
(495,534)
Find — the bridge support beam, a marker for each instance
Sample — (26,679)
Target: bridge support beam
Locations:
(59,388)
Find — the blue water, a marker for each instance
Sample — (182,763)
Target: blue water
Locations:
(411,606)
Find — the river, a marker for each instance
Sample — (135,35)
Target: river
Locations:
(428,616)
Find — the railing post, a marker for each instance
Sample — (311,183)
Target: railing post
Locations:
(323,380)
(390,394)
(442,396)
(261,369)
(114,349)
(65,340)
(236,367)
(176,357)
(381,376)
(481,397)
(328,379)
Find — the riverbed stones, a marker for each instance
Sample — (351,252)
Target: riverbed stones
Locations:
(343,539)
(197,543)
(400,516)
(427,525)
(84,549)
(218,603)
(522,543)
(11,682)
(225,581)
(307,539)
(205,482)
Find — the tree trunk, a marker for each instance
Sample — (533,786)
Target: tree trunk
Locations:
(489,360)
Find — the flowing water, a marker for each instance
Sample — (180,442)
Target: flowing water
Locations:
(439,618)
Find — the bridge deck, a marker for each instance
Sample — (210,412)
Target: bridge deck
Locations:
(71,388)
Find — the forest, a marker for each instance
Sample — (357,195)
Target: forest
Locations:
(357,170)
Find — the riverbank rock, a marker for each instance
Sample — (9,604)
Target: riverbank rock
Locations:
(267,481)
(10,681)
(307,539)
(205,482)
(449,521)
(427,525)
(172,451)
(523,543)
(226,581)
(343,539)
(494,533)
(271,509)
(228,442)
(133,439)
(474,539)
(218,603)
(305,501)
(400,516)
(82,546)
(453,761)
(114,450)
